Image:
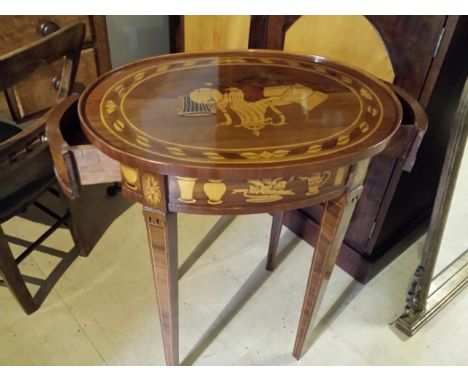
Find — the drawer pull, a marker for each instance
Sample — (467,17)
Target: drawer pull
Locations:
(56,82)
(48,27)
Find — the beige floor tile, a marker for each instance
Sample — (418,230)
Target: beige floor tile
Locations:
(232,311)
(50,336)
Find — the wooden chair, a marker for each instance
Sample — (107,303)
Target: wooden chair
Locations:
(26,169)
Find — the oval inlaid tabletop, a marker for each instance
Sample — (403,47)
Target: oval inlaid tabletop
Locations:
(238,112)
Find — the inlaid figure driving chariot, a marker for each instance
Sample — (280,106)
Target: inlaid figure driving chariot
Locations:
(252,114)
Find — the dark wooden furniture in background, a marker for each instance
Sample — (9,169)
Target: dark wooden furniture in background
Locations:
(271,142)
(398,201)
(20,103)
(26,169)
(413,51)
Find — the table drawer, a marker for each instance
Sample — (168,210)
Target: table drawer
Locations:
(19,31)
(79,165)
(93,166)
(255,195)
(218,196)
(43,82)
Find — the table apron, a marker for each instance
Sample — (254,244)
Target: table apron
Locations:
(226,196)
(255,208)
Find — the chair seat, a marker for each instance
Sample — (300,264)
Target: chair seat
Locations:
(21,186)
(7,130)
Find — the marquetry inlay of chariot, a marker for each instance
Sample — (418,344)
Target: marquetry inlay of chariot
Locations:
(252,114)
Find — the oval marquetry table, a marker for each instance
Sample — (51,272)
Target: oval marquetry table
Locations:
(239,132)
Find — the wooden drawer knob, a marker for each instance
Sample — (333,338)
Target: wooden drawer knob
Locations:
(48,27)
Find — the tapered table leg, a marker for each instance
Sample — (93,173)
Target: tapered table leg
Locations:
(275,234)
(335,220)
(162,236)
(12,278)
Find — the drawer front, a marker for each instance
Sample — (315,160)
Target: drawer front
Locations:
(19,31)
(4,111)
(218,196)
(38,92)
(252,195)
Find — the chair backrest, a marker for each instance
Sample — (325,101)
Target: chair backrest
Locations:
(18,65)
(65,43)
(196,33)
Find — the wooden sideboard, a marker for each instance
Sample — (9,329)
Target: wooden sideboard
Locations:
(38,93)
(395,201)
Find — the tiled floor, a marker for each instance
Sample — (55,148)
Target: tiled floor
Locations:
(102,310)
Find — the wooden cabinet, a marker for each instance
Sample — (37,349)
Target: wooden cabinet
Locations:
(38,93)
(396,203)
(406,50)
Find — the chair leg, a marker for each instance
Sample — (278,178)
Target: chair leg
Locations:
(276,225)
(12,277)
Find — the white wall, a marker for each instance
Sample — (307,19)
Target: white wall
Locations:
(135,37)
